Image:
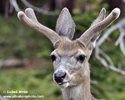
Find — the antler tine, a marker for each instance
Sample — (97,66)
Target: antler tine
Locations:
(87,36)
(30,20)
(30,14)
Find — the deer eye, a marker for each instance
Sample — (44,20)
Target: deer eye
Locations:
(53,57)
(81,58)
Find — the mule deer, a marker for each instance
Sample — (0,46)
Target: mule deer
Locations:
(70,57)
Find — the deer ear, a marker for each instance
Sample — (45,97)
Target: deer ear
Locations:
(65,26)
(100,17)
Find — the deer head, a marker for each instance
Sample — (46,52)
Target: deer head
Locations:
(70,57)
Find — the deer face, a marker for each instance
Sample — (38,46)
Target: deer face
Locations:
(69,60)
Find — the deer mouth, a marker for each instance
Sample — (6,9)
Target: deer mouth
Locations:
(61,83)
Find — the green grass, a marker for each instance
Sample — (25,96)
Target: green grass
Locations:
(110,85)
(31,81)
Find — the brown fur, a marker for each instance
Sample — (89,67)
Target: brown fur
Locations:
(65,45)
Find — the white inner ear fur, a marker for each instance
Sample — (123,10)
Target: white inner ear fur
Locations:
(54,53)
(94,43)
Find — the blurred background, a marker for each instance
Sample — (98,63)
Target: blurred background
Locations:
(24,53)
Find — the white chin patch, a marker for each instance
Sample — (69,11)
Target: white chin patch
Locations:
(64,85)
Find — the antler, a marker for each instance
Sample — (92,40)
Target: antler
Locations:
(87,36)
(30,20)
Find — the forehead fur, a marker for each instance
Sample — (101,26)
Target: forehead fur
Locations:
(68,47)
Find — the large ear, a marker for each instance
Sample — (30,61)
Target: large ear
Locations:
(65,26)
(100,17)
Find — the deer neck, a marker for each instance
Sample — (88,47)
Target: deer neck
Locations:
(78,92)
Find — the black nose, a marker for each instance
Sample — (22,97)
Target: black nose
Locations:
(59,77)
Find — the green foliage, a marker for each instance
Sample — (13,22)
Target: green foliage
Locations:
(27,81)
(18,40)
(36,82)
(109,84)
